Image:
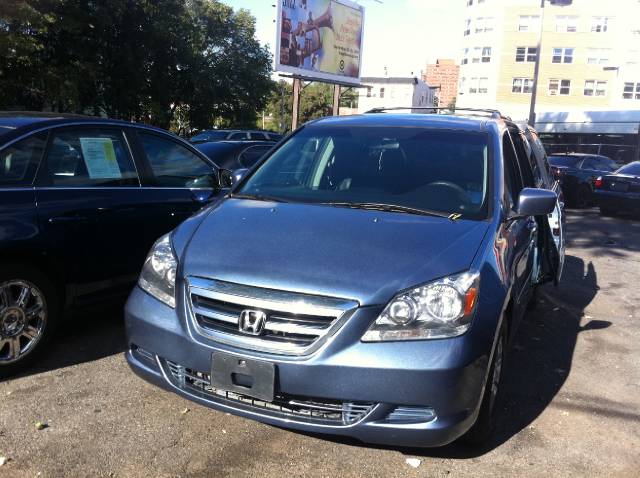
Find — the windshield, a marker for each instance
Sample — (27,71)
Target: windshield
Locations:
(632,169)
(432,170)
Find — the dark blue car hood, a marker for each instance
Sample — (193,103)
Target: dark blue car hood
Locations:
(363,255)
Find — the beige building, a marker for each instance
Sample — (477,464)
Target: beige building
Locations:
(590,56)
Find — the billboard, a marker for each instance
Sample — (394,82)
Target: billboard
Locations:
(320,39)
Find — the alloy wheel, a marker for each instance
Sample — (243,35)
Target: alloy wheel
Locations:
(23,317)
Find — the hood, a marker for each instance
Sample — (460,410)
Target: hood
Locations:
(367,256)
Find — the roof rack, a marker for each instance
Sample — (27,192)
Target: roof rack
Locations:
(434,109)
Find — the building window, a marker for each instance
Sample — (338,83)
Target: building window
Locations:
(465,56)
(462,85)
(467,27)
(381,92)
(481,54)
(633,56)
(522,85)
(526,54)
(369,91)
(601,24)
(631,91)
(562,55)
(559,87)
(486,54)
(598,56)
(478,85)
(566,24)
(595,88)
(484,25)
(529,23)
(469,3)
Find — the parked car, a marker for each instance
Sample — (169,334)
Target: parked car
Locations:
(363,279)
(619,192)
(81,201)
(210,135)
(577,173)
(233,155)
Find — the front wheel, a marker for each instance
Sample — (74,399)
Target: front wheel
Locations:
(481,430)
(28,317)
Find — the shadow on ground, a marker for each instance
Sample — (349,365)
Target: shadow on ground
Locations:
(84,336)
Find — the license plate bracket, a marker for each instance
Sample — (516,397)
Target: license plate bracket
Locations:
(253,378)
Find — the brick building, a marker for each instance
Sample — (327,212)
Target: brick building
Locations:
(443,76)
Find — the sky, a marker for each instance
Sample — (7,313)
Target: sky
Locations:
(402,35)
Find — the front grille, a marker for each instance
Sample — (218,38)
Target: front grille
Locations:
(295,323)
(318,411)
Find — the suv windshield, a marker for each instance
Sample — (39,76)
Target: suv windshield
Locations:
(210,136)
(431,170)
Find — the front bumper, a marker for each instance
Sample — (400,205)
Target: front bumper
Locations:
(445,376)
(621,201)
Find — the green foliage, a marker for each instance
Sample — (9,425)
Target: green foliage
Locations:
(185,63)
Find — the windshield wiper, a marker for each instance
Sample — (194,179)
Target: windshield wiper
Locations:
(392,208)
(257,197)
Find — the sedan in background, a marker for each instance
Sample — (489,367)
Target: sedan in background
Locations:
(619,192)
(234,135)
(82,200)
(234,155)
(577,173)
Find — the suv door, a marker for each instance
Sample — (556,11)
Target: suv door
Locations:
(88,196)
(177,181)
(524,231)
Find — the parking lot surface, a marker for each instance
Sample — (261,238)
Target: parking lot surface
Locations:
(571,404)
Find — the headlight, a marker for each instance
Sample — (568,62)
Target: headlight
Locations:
(158,276)
(440,309)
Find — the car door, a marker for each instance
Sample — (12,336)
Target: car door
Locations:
(177,180)
(522,232)
(555,224)
(88,196)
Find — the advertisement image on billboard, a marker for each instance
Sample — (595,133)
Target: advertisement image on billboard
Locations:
(320,39)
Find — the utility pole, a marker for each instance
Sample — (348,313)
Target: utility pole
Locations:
(536,72)
(297,87)
(336,100)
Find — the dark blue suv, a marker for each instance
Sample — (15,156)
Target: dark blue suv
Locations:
(363,279)
(81,202)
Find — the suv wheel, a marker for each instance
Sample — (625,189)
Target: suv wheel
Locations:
(28,316)
(481,430)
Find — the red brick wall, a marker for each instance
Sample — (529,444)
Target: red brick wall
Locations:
(443,73)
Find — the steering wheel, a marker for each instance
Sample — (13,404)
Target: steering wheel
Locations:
(461,193)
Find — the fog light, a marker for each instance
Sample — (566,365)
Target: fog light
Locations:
(411,415)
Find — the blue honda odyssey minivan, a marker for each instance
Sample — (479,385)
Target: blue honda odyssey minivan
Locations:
(364,279)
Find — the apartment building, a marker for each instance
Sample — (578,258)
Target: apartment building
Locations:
(589,55)
(443,77)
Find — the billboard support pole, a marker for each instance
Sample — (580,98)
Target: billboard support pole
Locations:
(336,100)
(297,86)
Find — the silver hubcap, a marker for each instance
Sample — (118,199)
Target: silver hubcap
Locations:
(23,316)
(497,371)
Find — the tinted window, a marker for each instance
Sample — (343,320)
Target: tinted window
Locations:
(632,169)
(236,136)
(436,170)
(256,135)
(252,154)
(173,165)
(274,136)
(91,157)
(18,162)
(210,136)
(606,164)
(512,179)
(523,151)
(222,153)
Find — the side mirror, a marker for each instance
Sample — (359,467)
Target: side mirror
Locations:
(237,175)
(226,178)
(536,202)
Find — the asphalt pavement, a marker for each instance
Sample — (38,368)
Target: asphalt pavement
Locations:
(571,407)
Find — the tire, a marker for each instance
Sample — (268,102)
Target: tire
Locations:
(583,197)
(482,429)
(607,211)
(29,315)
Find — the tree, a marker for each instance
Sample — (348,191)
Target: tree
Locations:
(141,60)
